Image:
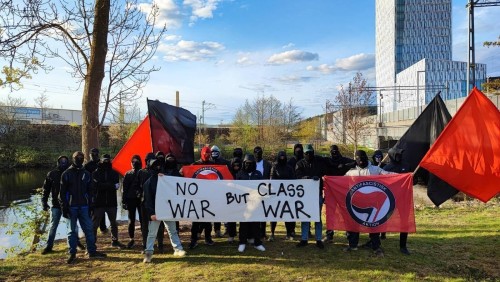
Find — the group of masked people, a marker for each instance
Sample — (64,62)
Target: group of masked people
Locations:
(86,195)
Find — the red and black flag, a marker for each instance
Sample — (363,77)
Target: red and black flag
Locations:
(416,142)
(172,130)
(212,172)
(467,153)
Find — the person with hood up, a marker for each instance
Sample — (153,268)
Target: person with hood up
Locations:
(91,166)
(281,170)
(216,158)
(74,198)
(397,165)
(298,154)
(234,168)
(336,165)
(52,186)
(150,188)
(132,196)
(238,153)
(170,169)
(363,168)
(205,159)
(105,183)
(249,230)
(377,158)
(264,167)
(311,167)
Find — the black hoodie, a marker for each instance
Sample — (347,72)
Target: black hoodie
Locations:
(395,165)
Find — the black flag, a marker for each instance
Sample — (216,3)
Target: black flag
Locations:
(416,142)
(172,130)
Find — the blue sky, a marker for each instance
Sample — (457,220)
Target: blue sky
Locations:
(226,51)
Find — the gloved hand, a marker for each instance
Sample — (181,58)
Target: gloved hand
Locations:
(315,178)
(124,206)
(66,213)
(46,206)
(340,166)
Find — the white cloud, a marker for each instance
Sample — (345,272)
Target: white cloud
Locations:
(201,9)
(291,57)
(190,50)
(289,45)
(169,13)
(172,37)
(291,79)
(356,62)
(244,61)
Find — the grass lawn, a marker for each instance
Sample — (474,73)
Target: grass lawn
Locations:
(460,241)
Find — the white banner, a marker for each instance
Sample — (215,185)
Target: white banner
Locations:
(179,198)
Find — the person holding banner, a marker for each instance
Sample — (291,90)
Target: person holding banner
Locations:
(234,168)
(311,167)
(149,201)
(265,169)
(249,230)
(217,158)
(298,154)
(281,170)
(363,168)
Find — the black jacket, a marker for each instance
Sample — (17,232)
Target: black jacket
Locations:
(75,187)
(104,187)
(256,175)
(308,170)
(339,166)
(267,169)
(282,172)
(91,166)
(150,195)
(395,166)
(52,185)
(132,184)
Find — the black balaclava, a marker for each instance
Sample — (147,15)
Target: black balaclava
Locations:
(155,166)
(258,153)
(249,164)
(215,152)
(238,153)
(335,152)
(94,154)
(361,158)
(298,151)
(281,158)
(78,158)
(62,163)
(160,156)
(309,153)
(170,161)
(377,157)
(236,165)
(105,163)
(136,162)
(149,156)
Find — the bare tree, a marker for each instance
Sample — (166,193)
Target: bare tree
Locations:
(36,29)
(41,102)
(350,111)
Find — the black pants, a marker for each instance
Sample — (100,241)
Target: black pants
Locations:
(353,238)
(250,230)
(403,238)
(262,230)
(290,227)
(98,215)
(145,229)
(133,205)
(217,226)
(197,227)
(102,224)
(231,229)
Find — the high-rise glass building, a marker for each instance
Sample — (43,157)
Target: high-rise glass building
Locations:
(413,54)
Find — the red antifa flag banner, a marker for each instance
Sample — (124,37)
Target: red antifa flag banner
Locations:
(172,130)
(212,172)
(138,144)
(371,204)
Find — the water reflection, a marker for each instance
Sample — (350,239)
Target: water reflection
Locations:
(18,185)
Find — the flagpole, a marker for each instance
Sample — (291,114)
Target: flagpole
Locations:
(416,169)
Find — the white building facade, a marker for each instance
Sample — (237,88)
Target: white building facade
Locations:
(414,57)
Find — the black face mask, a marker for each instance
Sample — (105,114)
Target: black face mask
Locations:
(335,154)
(236,167)
(136,165)
(362,161)
(78,161)
(106,165)
(170,165)
(299,154)
(258,155)
(282,161)
(309,156)
(63,164)
(161,159)
(94,157)
(249,167)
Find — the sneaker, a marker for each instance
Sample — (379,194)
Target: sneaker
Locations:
(349,249)
(47,250)
(320,244)
(405,251)
(260,248)
(97,254)
(382,236)
(130,244)
(218,234)
(80,246)
(71,259)
(241,248)
(328,239)
(250,241)
(379,253)
(147,257)
(289,238)
(230,239)
(302,243)
(193,245)
(117,244)
(271,238)
(179,253)
(209,242)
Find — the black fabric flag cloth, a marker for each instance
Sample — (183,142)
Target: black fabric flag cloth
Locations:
(172,130)
(416,142)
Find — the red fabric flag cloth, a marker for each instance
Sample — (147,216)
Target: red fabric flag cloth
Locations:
(138,144)
(371,204)
(213,172)
(467,153)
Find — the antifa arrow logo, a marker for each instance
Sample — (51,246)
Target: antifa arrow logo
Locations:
(370,203)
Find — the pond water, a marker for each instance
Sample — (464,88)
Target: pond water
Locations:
(18,187)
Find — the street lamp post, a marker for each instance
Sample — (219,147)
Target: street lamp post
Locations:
(418,91)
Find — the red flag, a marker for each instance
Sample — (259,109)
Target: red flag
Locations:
(467,153)
(371,204)
(213,172)
(138,144)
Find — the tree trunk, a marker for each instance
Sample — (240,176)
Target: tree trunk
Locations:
(94,77)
